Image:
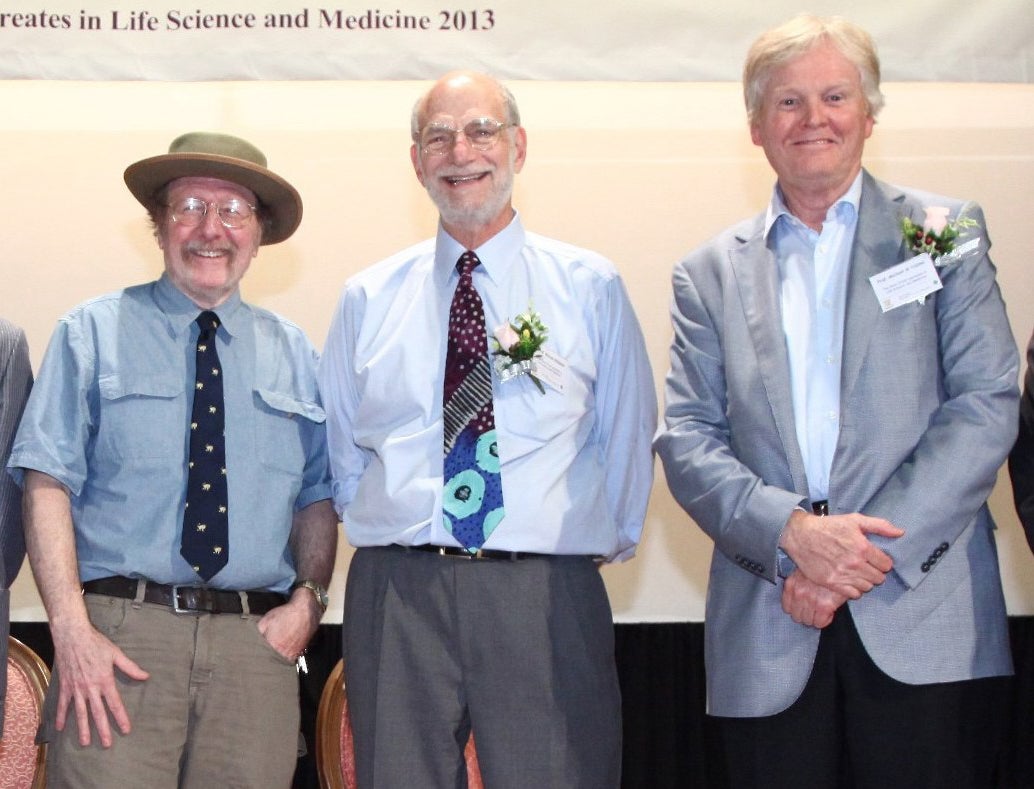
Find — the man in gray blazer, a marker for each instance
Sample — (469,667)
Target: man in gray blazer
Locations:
(15,382)
(836,412)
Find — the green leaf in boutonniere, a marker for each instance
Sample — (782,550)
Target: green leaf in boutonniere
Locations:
(937,235)
(516,345)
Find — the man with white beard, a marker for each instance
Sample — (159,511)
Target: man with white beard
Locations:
(482,492)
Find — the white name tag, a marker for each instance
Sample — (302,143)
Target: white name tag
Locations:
(912,280)
(550,369)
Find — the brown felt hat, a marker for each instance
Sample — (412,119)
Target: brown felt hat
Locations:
(212,155)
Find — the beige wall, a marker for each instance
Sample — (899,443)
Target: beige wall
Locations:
(640,172)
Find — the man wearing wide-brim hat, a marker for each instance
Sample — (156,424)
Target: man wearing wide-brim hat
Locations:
(174,464)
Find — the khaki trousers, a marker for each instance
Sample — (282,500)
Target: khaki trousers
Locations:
(220,708)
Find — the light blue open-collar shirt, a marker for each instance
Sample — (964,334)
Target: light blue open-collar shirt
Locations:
(108,419)
(813,270)
(576,465)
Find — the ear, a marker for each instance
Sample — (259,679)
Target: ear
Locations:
(755,134)
(520,144)
(414,157)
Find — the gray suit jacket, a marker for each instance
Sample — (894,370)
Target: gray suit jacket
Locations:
(15,382)
(928,414)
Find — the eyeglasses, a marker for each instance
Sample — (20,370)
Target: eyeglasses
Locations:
(191,211)
(482,133)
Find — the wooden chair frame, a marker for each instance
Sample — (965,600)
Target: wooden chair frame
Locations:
(330,717)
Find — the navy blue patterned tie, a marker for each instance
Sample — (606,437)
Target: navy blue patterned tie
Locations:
(206,518)
(473,496)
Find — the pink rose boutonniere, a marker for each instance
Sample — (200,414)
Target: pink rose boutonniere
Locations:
(937,235)
(517,344)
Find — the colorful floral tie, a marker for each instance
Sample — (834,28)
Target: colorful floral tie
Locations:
(473,499)
(205,519)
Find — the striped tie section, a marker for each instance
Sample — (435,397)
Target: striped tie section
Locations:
(467,400)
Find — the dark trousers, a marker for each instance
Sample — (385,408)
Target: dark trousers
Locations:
(520,652)
(854,727)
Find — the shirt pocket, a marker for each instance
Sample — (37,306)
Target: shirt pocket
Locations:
(284,427)
(528,420)
(141,417)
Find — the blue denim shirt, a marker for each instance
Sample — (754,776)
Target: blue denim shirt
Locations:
(109,415)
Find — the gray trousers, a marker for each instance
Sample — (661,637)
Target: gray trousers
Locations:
(522,652)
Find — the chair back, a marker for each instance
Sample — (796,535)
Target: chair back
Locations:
(22,762)
(335,759)
(335,755)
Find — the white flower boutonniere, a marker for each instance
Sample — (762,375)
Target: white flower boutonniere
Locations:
(937,235)
(517,344)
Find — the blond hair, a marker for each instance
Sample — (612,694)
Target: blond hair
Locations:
(801,34)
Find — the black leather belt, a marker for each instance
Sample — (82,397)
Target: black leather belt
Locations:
(188,599)
(482,553)
(820,508)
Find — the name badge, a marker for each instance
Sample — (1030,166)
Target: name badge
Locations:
(550,369)
(912,280)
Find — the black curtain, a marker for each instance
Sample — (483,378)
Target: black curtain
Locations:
(669,741)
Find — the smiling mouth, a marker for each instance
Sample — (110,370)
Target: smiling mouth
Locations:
(457,180)
(209,254)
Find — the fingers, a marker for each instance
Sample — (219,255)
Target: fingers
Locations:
(879,562)
(92,705)
(836,551)
(88,689)
(809,604)
(824,620)
(64,698)
(879,526)
(99,712)
(288,628)
(82,720)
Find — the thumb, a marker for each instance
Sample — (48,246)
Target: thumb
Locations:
(128,667)
(883,528)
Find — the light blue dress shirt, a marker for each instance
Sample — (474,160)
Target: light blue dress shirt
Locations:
(813,270)
(108,418)
(576,465)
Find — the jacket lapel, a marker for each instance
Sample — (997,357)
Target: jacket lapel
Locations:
(757,278)
(878,245)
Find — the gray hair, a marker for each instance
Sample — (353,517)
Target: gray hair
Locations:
(513,115)
(804,32)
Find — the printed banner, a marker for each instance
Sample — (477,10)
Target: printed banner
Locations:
(654,40)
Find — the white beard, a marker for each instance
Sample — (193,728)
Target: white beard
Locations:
(471,217)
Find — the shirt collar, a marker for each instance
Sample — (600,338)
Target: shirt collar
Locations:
(495,255)
(848,201)
(181,312)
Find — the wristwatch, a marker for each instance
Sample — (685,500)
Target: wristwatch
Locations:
(317,591)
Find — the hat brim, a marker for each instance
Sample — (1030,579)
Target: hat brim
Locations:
(280,200)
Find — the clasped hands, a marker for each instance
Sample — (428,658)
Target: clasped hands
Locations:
(836,562)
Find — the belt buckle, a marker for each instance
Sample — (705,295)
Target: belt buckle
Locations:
(176,607)
(456,553)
